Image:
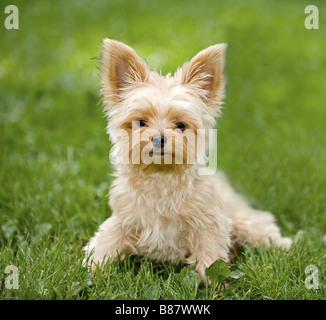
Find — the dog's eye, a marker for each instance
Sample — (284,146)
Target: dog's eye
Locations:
(180,125)
(142,123)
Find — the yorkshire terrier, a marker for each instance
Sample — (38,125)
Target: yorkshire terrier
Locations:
(163,205)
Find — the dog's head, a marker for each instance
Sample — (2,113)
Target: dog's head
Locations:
(154,120)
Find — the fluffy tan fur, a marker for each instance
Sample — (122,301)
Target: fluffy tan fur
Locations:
(168,211)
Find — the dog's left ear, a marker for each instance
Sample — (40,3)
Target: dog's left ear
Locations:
(121,68)
(205,72)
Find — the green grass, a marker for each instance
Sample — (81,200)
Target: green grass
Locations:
(54,159)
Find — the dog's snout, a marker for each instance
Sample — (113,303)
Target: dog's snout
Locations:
(159,141)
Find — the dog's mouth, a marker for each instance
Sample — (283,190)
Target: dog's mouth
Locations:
(160,153)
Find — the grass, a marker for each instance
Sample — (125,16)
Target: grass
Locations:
(54,160)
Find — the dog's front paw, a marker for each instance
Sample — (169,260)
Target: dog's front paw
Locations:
(200,268)
(283,243)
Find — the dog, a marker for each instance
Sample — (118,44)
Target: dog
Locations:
(168,210)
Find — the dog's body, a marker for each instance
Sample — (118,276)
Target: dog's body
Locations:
(170,212)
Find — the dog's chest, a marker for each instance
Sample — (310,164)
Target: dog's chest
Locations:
(161,235)
(153,210)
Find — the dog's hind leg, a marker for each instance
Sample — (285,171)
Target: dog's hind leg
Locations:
(257,227)
(250,225)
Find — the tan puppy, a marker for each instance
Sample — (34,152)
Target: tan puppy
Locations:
(162,205)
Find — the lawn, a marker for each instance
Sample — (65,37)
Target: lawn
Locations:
(55,169)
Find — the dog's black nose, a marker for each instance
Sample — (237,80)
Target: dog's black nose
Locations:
(159,141)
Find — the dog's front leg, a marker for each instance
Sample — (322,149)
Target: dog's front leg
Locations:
(109,243)
(206,248)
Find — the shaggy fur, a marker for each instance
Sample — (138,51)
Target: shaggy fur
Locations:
(169,211)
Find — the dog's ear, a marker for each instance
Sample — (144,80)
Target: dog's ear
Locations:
(205,71)
(121,67)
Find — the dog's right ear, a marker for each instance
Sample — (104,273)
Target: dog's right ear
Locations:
(121,67)
(205,71)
